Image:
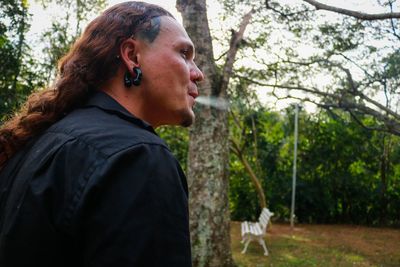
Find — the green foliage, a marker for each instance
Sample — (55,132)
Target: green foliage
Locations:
(339,37)
(340,177)
(262,136)
(177,139)
(17,68)
(13,26)
(345,172)
(390,74)
(243,200)
(58,42)
(65,30)
(21,72)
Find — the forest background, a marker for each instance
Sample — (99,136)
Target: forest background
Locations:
(343,68)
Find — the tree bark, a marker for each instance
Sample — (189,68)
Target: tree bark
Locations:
(208,158)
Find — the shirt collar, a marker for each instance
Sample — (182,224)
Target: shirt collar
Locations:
(105,102)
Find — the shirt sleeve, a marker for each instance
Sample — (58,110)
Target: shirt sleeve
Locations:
(134,211)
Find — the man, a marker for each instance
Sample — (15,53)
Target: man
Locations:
(85,180)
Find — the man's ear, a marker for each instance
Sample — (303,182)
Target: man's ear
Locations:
(128,51)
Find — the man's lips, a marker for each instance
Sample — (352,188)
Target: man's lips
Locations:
(194,94)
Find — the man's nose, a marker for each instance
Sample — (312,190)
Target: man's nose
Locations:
(196,74)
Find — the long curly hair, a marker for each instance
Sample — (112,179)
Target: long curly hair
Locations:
(91,61)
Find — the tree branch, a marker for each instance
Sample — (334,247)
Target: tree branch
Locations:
(233,48)
(289,87)
(235,148)
(392,23)
(283,14)
(359,122)
(390,125)
(380,106)
(352,13)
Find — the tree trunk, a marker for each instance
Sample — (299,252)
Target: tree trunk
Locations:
(208,154)
(384,165)
(22,27)
(208,183)
(208,159)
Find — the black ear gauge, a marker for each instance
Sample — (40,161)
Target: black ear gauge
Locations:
(138,76)
(127,79)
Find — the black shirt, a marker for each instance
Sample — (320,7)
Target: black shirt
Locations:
(98,188)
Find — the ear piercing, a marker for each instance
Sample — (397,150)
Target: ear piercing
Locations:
(129,80)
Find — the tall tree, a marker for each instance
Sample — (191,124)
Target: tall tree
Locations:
(242,140)
(348,51)
(208,145)
(65,29)
(17,77)
(21,70)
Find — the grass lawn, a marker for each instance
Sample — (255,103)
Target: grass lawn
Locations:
(320,245)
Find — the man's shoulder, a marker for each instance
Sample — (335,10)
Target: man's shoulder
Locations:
(106,132)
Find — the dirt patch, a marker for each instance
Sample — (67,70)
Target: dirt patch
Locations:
(368,241)
(378,244)
(335,245)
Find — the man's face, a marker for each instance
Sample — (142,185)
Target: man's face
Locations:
(169,75)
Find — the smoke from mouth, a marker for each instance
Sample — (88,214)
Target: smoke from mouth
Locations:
(215,102)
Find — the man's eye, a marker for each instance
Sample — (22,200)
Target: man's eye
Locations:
(184,53)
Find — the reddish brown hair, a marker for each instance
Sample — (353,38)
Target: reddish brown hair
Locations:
(91,61)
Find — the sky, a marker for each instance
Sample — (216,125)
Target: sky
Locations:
(41,18)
